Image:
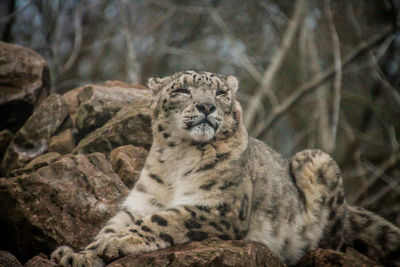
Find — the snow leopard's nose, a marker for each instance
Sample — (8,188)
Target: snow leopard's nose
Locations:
(206,108)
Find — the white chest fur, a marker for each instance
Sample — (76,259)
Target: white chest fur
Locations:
(176,183)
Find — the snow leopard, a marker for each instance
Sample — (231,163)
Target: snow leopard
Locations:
(205,177)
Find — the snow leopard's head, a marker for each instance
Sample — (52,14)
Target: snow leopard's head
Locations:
(195,106)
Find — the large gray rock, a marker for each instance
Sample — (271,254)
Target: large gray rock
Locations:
(35,164)
(8,260)
(211,252)
(33,138)
(130,126)
(39,262)
(99,103)
(330,258)
(24,84)
(127,162)
(71,98)
(65,202)
(62,143)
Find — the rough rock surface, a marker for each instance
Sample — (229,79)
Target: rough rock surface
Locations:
(127,162)
(211,252)
(130,126)
(24,83)
(8,260)
(330,258)
(71,98)
(65,202)
(62,143)
(98,103)
(33,138)
(39,262)
(36,163)
(5,139)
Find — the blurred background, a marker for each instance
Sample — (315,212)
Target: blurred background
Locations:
(313,73)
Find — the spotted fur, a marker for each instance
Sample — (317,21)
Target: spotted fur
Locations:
(205,178)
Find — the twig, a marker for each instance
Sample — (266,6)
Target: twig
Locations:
(232,40)
(191,9)
(77,40)
(380,77)
(347,128)
(55,45)
(311,85)
(338,74)
(276,62)
(378,172)
(131,60)
(184,53)
(245,60)
(321,94)
(247,98)
(15,12)
(392,184)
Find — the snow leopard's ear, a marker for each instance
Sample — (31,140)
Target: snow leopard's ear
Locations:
(232,83)
(156,84)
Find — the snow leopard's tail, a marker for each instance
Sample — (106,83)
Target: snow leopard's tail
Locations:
(372,236)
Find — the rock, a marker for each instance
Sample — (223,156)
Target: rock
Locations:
(33,138)
(99,103)
(5,139)
(327,257)
(8,260)
(66,202)
(127,162)
(36,163)
(39,262)
(125,85)
(71,98)
(211,252)
(62,143)
(24,84)
(130,126)
(43,160)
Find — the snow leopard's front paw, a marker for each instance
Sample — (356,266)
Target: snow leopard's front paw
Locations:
(60,252)
(118,245)
(65,256)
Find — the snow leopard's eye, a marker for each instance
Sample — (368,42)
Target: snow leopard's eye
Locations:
(220,92)
(181,90)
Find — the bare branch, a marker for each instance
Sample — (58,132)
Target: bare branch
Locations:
(380,77)
(311,85)
(392,184)
(232,40)
(245,60)
(338,74)
(131,60)
(276,62)
(321,93)
(7,18)
(191,9)
(377,173)
(77,40)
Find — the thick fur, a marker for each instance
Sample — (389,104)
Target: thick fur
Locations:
(205,177)
(373,236)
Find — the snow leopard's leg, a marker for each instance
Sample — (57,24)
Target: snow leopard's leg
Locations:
(65,256)
(318,177)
